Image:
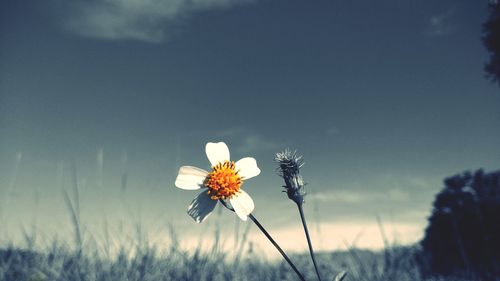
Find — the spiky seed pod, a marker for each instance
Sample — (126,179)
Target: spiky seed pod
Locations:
(289,165)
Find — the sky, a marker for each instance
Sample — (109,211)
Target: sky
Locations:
(384,99)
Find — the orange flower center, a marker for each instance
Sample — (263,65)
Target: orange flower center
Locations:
(223,181)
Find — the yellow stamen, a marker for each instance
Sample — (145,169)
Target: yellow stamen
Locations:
(223,181)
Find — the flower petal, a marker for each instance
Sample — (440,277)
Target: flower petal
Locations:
(190,178)
(217,152)
(242,204)
(247,167)
(201,207)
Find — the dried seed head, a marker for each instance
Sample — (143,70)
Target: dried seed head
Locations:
(289,165)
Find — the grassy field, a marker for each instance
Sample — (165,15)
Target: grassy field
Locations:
(145,263)
(84,259)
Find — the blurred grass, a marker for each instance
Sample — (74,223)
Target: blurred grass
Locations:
(140,260)
(143,262)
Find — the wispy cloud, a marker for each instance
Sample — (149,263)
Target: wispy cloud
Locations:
(242,140)
(358,197)
(256,142)
(144,20)
(248,142)
(332,131)
(342,235)
(340,196)
(386,188)
(333,236)
(439,24)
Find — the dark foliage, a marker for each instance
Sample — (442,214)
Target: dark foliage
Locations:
(463,235)
(491,40)
(17,261)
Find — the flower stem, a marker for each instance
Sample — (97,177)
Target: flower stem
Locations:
(311,251)
(277,246)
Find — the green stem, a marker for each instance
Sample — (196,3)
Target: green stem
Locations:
(311,251)
(277,246)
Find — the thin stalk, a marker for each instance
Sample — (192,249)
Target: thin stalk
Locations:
(311,251)
(276,246)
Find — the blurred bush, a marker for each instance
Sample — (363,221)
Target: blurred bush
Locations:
(491,39)
(463,234)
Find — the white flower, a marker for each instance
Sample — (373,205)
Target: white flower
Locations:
(222,182)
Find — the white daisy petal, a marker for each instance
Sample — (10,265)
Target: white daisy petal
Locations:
(217,152)
(242,204)
(190,178)
(201,207)
(247,167)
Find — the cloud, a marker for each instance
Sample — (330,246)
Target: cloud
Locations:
(143,20)
(340,235)
(329,237)
(256,142)
(246,141)
(439,24)
(385,187)
(359,197)
(341,196)
(242,140)
(398,195)
(332,131)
